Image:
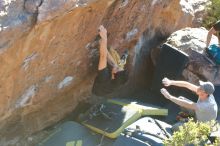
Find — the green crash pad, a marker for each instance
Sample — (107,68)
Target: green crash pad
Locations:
(112,116)
(73,134)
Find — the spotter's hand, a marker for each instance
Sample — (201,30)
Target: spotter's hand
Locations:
(166,82)
(165,93)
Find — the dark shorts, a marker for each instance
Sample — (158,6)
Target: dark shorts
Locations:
(103,84)
(103,76)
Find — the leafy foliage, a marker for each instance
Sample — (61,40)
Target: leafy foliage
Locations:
(192,133)
(212,14)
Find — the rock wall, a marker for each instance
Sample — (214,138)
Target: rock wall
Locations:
(48,56)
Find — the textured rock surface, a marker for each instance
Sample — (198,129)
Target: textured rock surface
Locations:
(192,41)
(14,22)
(53,8)
(48,57)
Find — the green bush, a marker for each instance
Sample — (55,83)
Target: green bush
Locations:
(192,133)
(212,14)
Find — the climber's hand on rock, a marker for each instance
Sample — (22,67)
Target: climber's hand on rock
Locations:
(102,32)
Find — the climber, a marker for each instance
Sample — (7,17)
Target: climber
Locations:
(111,72)
(215,29)
(205,108)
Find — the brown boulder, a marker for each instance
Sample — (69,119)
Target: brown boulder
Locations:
(49,66)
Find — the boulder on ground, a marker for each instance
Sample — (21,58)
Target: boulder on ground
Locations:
(193,42)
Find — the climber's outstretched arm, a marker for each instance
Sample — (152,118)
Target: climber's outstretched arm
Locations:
(103,52)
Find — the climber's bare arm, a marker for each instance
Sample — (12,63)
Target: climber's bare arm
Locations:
(103,52)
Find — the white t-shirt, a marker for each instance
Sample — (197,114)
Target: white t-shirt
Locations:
(206,110)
